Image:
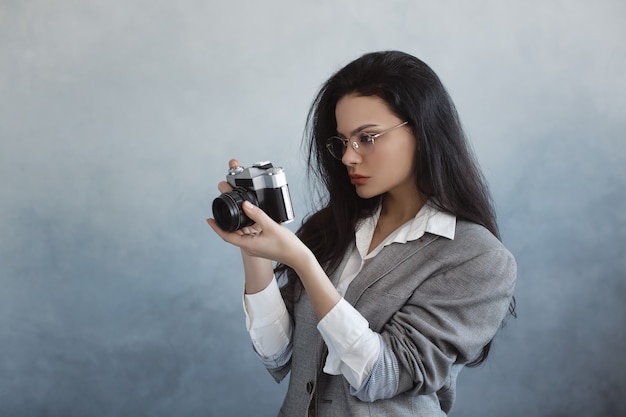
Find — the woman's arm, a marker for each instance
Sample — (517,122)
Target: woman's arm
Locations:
(323,294)
(258,273)
(273,242)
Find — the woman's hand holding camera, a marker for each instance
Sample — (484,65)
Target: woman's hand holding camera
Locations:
(252,230)
(265,238)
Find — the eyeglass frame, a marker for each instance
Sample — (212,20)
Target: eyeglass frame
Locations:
(354,143)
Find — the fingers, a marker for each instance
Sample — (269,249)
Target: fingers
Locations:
(257,215)
(234,238)
(261,221)
(250,231)
(224,187)
(233,163)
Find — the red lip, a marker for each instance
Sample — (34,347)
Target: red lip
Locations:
(358,179)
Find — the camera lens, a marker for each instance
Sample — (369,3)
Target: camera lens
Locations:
(227,209)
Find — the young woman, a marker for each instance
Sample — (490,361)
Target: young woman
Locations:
(400,279)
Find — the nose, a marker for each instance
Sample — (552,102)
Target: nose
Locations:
(350,156)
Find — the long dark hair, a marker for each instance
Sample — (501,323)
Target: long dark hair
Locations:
(445,168)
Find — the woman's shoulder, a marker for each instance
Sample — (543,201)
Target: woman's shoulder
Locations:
(472,239)
(476,250)
(466,230)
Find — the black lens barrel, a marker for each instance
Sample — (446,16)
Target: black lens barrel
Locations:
(227,209)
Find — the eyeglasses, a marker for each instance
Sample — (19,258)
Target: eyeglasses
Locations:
(361,142)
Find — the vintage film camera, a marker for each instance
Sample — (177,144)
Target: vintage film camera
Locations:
(262,184)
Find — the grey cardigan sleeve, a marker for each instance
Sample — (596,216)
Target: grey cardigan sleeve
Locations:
(449,318)
(436,303)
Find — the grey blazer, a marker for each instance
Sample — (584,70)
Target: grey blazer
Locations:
(436,302)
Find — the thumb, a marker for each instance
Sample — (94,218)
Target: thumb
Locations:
(255,213)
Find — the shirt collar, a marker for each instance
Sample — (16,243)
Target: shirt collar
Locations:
(429,219)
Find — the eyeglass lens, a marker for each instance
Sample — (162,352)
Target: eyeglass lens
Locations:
(362,143)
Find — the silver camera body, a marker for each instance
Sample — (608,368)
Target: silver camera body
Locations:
(264,185)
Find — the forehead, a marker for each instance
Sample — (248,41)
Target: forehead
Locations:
(353,111)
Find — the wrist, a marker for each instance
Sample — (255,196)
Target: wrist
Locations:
(323,294)
(258,273)
(306,261)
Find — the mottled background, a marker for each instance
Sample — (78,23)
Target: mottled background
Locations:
(116,122)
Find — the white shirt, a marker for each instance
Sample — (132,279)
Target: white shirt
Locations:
(352,347)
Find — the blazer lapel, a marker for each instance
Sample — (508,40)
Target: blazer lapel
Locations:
(383,263)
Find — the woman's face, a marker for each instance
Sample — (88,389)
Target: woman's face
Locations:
(389,168)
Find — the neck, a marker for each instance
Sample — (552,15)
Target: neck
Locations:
(394,212)
(399,209)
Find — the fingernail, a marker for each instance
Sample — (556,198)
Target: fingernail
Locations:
(247,204)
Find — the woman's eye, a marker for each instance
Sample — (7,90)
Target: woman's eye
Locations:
(366,138)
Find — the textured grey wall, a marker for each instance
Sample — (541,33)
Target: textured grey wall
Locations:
(116,122)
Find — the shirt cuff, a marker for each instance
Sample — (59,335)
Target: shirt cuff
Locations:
(267,320)
(263,307)
(353,347)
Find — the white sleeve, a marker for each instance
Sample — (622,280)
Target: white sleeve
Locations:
(267,321)
(353,347)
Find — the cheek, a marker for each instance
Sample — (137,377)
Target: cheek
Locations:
(395,157)
(402,157)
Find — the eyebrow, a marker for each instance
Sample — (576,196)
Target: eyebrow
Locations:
(360,128)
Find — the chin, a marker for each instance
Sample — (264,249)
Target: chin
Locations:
(365,194)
